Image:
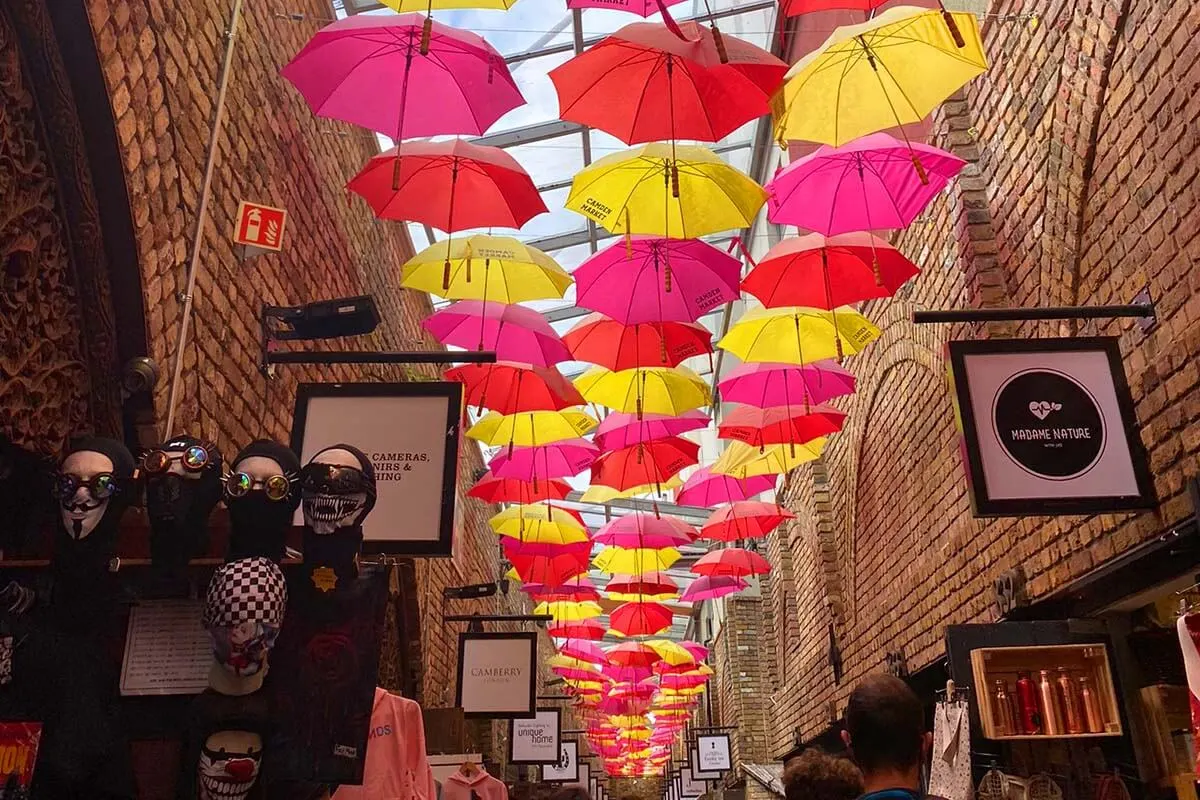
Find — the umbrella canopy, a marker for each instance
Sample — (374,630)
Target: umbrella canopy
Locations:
(450,185)
(491,489)
(731,561)
(511,387)
(743,461)
(827,272)
(557,460)
(497,268)
(745,520)
(652,585)
(403,76)
(706,588)
(531,427)
(567,611)
(705,489)
(766,385)
(618,560)
(433,5)
(578,588)
(893,69)
(581,629)
(539,524)
(658,189)
(633,654)
(646,390)
(652,462)
(797,335)
(643,8)
(583,650)
(619,429)
(645,83)
(784,425)
(516,333)
(671,653)
(794,8)
(644,530)
(650,279)
(606,494)
(547,569)
(699,652)
(869,184)
(611,344)
(639,619)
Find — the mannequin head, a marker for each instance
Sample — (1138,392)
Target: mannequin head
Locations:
(262,493)
(183,484)
(93,487)
(243,612)
(337,488)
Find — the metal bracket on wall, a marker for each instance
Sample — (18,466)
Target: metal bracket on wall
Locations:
(1141,309)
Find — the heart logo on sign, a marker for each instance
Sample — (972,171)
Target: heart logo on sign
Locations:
(1041,408)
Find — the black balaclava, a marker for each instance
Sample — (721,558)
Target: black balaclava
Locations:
(179,506)
(24,495)
(83,549)
(333,518)
(259,524)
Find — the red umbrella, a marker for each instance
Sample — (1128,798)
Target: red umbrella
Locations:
(794,8)
(508,387)
(651,583)
(491,489)
(534,565)
(633,654)
(583,629)
(748,519)
(732,561)
(828,271)
(780,425)
(640,619)
(646,84)
(600,340)
(653,462)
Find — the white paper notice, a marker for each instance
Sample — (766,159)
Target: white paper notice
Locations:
(167,650)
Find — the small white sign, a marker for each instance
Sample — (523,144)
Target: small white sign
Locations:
(690,787)
(697,774)
(535,741)
(566,769)
(585,775)
(167,650)
(714,752)
(497,673)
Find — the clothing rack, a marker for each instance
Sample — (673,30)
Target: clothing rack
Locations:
(954,693)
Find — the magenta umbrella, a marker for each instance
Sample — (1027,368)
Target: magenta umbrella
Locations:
(698,651)
(643,8)
(642,530)
(704,489)
(373,71)
(619,429)
(652,279)
(556,460)
(516,333)
(772,385)
(711,588)
(872,183)
(584,651)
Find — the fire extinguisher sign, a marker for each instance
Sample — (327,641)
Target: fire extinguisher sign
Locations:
(260,227)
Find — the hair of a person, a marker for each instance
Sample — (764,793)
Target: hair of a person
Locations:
(817,775)
(571,793)
(886,723)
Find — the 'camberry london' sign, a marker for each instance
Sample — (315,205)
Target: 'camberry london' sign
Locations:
(1048,427)
(535,741)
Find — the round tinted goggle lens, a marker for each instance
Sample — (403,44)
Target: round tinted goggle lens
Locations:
(277,487)
(195,458)
(238,484)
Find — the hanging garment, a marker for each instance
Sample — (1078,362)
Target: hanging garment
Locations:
(396,767)
(950,769)
(1189,640)
(481,785)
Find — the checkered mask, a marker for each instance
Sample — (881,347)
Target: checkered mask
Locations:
(250,590)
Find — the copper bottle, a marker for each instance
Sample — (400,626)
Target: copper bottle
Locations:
(1029,716)
(1052,717)
(1093,715)
(1002,711)
(1072,705)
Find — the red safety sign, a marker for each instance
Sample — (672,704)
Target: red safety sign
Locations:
(260,226)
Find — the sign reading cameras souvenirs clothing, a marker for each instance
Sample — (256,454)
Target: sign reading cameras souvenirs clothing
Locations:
(410,433)
(1048,427)
(535,741)
(497,675)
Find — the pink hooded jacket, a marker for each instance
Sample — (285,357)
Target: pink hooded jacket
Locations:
(485,787)
(396,768)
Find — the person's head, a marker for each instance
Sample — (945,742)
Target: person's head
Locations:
(885,732)
(572,793)
(816,775)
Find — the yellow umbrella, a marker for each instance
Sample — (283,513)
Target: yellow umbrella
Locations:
(625,561)
(663,190)
(688,692)
(622,597)
(741,460)
(481,267)
(672,652)
(568,611)
(797,335)
(645,390)
(531,428)
(598,493)
(539,524)
(567,662)
(891,70)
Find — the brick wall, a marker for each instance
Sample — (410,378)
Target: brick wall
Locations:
(1082,150)
(741,656)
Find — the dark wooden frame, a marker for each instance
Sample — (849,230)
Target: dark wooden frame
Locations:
(512,739)
(463,638)
(565,742)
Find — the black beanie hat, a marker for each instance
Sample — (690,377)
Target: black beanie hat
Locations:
(117,453)
(273,450)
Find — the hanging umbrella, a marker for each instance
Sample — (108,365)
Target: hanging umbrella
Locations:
(619,429)
(767,385)
(766,426)
(699,652)
(671,653)
(562,661)
(566,611)
(581,629)
(643,8)
(511,387)
(633,654)
(827,272)
(891,70)
(497,268)
(705,489)
(544,513)
(639,619)
(794,8)
(742,460)
(603,495)
(745,520)
(516,333)
(583,650)
(645,83)
(491,489)
(705,588)
(577,588)
(653,585)
(404,76)
(680,192)
(557,460)
(548,570)
(643,530)
(647,390)
(652,462)
(797,335)
(871,183)
(539,524)
(687,681)
(531,428)
(597,339)
(430,5)
(731,561)
(618,560)
(650,279)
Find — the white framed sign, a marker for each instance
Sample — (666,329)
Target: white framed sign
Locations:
(1048,427)
(713,752)
(410,433)
(594,788)
(535,741)
(497,675)
(585,774)
(566,769)
(697,773)
(689,787)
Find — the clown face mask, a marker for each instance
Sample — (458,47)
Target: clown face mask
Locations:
(243,612)
(336,490)
(229,765)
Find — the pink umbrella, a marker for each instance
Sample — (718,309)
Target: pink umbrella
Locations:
(643,530)
(682,681)
(584,651)
(373,71)
(516,333)
(733,561)
(557,460)
(619,429)
(773,385)
(643,8)
(705,489)
(576,589)
(698,651)
(872,183)
(710,588)
(657,280)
